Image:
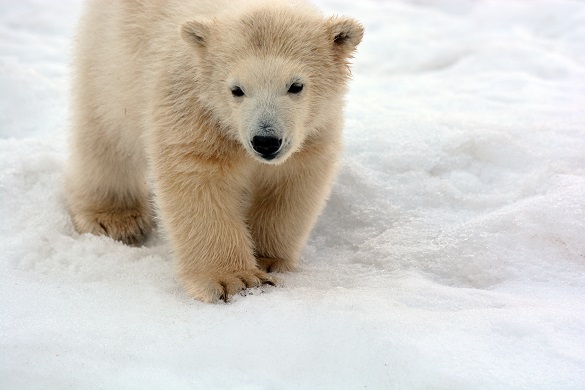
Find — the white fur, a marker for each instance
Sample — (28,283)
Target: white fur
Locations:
(153,94)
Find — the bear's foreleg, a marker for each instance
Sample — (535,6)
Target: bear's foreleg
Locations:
(286,204)
(202,208)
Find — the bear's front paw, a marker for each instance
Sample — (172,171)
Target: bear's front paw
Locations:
(213,288)
(275,265)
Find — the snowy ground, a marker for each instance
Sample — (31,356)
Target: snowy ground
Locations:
(451,254)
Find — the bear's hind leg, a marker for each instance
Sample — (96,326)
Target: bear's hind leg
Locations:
(107,191)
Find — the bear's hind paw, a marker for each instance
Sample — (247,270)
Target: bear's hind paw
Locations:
(129,226)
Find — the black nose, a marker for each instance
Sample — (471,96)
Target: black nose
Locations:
(268,147)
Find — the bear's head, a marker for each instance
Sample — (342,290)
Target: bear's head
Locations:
(273,76)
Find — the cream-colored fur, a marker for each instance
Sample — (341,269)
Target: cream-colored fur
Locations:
(155,111)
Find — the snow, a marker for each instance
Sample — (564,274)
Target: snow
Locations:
(451,254)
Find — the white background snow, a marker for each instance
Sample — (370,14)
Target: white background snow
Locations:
(451,254)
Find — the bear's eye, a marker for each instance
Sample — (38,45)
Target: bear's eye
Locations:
(295,88)
(237,91)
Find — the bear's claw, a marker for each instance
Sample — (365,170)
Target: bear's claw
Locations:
(217,288)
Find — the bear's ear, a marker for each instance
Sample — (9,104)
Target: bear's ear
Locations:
(195,33)
(345,34)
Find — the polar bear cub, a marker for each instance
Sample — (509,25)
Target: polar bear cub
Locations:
(223,116)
